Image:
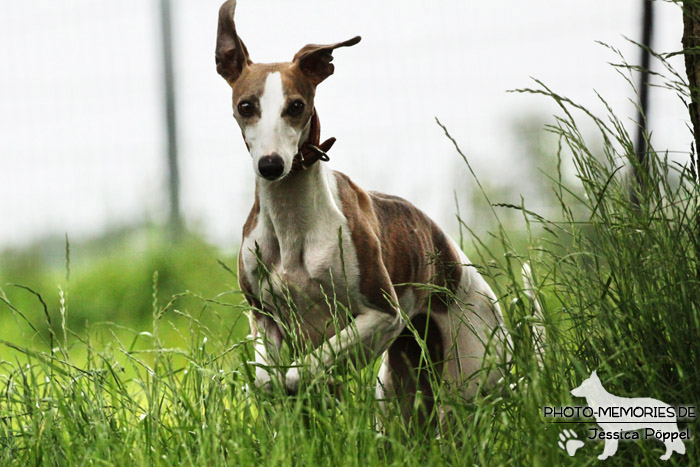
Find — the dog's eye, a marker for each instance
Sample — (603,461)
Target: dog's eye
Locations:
(295,108)
(246,109)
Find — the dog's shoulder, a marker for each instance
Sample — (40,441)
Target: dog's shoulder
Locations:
(413,248)
(380,208)
(390,208)
(252,219)
(374,280)
(422,252)
(355,201)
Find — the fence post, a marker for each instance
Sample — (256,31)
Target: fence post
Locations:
(641,146)
(175,219)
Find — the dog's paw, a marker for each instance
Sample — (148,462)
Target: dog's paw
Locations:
(568,442)
(291,380)
(262,377)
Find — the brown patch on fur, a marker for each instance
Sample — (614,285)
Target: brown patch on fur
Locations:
(243,283)
(415,249)
(448,267)
(394,238)
(296,84)
(375,282)
(252,220)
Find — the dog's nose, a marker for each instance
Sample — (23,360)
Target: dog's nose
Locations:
(271,166)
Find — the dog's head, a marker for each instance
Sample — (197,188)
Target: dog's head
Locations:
(588,386)
(272,103)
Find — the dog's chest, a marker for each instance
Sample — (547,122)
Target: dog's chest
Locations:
(300,267)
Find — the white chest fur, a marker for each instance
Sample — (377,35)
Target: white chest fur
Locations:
(300,253)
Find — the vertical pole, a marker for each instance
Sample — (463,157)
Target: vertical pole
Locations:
(175,220)
(643,110)
(691,43)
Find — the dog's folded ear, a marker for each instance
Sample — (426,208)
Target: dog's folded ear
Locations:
(315,60)
(231,53)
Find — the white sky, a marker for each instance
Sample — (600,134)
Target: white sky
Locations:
(82,133)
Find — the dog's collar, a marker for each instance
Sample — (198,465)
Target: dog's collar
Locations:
(311,151)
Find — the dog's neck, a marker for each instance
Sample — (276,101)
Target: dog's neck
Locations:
(300,191)
(298,206)
(308,189)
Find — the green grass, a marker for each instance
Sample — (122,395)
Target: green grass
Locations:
(618,285)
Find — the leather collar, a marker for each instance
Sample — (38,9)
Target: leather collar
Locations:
(311,151)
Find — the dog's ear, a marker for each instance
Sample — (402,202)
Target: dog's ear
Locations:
(231,53)
(315,60)
(594,375)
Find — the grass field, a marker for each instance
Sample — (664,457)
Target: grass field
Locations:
(618,285)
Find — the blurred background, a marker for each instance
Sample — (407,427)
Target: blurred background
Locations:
(115,128)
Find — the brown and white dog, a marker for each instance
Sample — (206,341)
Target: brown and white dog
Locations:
(313,233)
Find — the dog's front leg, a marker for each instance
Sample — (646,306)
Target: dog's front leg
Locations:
(369,334)
(267,340)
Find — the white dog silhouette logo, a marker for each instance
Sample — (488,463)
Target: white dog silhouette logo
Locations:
(616,415)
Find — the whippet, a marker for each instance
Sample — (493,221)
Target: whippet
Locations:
(312,231)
